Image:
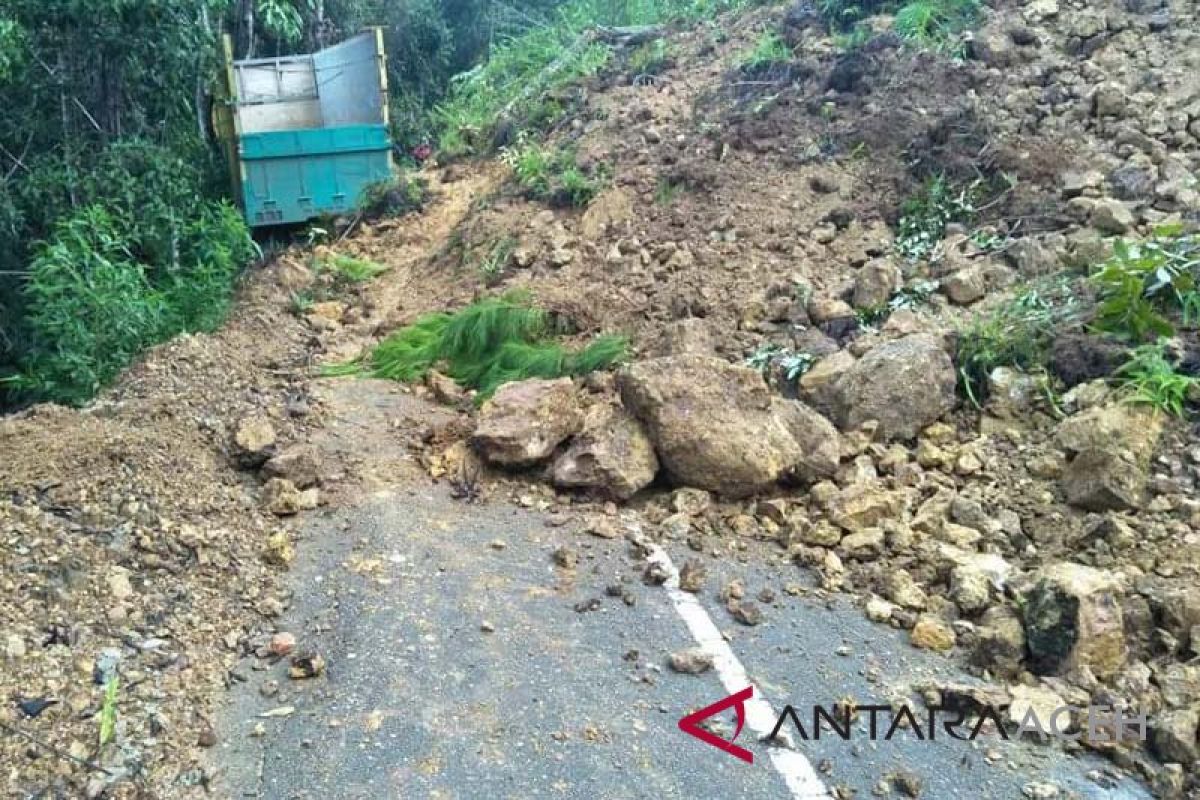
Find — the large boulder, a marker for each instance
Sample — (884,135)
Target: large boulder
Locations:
(820,443)
(1112,446)
(526,420)
(717,426)
(1073,618)
(904,385)
(612,454)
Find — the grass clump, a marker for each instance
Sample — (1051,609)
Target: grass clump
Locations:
(393,197)
(350,269)
(1142,281)
(491,268)
(1018,334)
(1152,379)
(485,345)
(769,51)
(650,59)
(552,176)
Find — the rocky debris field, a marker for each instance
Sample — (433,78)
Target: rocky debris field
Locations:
(796,392)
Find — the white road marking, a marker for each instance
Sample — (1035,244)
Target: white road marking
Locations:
(796,770)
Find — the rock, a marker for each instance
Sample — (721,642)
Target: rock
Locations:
(612,454)
(1111,216)
(817,386)
(714,425)
(1118,426)
(1000,641)
(1180,685)
(1173,736)
(967,285)
(879,610)
(690,501)
(970,588)
(282,498)
(904,385)
(119,587)
(904,591)
(863,545)
(1073,619)
(281,644)
(1131,183)
(864,505)
(686,336)
(746,612)
(1079,357)
(1103,480)
(565,557)
(306,664)
(692,575)
(692,661)
(819,441)
(875,283)
(1040,790)
(526,420)
(931,633)
(1108,100)
(1041,702)
(444,388)
(253,441)
(279,550)
(300,464)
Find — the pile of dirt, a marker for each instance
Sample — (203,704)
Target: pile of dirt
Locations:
(746,214)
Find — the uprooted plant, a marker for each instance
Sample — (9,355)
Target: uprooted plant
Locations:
(1142,282)
(485,345)
(1150,378)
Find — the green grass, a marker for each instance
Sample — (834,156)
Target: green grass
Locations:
(650,58)
(483,346)
(924,216)
(108,712)
(348,268)
(769,51)
(1018,334)
(552,176)
(1151,379)
(491,268)
(931,24)
(517,84)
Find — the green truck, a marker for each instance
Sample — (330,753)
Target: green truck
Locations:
(306,134)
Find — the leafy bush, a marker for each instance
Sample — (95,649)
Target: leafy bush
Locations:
(1151,379)
(1016,334)
(92,306)
(1141,280)
(485,345)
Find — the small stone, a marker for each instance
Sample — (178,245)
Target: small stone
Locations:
(692,661)
(487,627)
(565,557)
(879,610)
(746,612)
(253,441)
(692,575)
(282,644)
(306,664)
(931,633)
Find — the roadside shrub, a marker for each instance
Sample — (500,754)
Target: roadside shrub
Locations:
(483,346)
(92,306)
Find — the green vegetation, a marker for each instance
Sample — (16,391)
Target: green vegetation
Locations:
(933,24)
(491,268)
(666,191)
(923,217)
(400,195)
(1142,281)
(552,176)
(350,269)
(788,364)
(649,59)
(911,296)
(768,52)
(485,345)
(108,711)
(1016,334)
(1151,379)
(517,85)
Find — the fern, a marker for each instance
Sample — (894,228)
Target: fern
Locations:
(485,345)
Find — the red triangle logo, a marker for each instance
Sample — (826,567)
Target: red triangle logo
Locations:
(691,724)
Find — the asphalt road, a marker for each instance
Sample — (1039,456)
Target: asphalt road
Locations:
(464,663)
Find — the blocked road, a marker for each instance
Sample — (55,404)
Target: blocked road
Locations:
(463,662)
